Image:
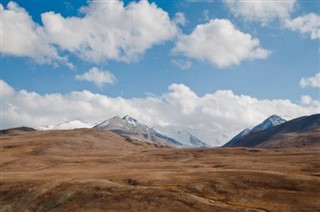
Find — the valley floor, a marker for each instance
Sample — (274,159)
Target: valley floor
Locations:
(94,170)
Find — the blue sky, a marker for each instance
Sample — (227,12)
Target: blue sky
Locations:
(293,57)
(262,50)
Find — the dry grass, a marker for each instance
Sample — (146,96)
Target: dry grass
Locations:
(94,170)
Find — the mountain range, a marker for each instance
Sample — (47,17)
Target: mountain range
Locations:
(272,121)
(181,135)
(171,136)
(131,128)
(273,132)
(300,132)
(73,124)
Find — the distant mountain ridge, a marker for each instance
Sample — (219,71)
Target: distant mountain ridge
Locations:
(238,136)
(271,121)
(131,128)
(182,136)
(302,131)
(186,138)
(16,129)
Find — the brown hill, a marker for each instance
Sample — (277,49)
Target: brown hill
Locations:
(16,130)
(95,170)
(299,132)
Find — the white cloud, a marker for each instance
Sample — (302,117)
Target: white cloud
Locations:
(97,76)
(24,38)
(108,30)
(179,19)
(182,64)
(180,106)
(307,100)
(220,43)
(5,89)
(313,81)
(267,11)
(308,25)
(261,11)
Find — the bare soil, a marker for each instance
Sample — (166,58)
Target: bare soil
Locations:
(94,170)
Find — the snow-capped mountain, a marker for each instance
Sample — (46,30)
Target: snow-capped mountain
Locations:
(74,124)
(212,137)
(299,132)
(240,135)
(183,136)
(130,127)
(272,121)
(126,124)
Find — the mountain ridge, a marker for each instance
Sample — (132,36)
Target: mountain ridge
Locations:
(133,129)
(271,121)
(183,136)
(306,128)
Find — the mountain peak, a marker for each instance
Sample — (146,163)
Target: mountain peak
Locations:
(273,120)
(115,117)
(129,118)
(130,127)
(132,121)
(297,132)
(273,117)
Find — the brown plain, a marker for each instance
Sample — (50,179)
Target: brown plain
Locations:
(95,170)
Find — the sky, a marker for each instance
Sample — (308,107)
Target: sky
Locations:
(208,66)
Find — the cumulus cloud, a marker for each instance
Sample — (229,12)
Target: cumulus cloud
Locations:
(179,19)
(109,30)
(313,81)
(221,110)
(182,64)
(24,38)
(97,76)
(106,30)
(5,89)
(220,43)
(268,11)
(307,100)
(308,25)
(261,11)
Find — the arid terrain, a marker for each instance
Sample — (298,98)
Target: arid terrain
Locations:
(95,170)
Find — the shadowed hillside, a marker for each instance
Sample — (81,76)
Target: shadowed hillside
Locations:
(299,132)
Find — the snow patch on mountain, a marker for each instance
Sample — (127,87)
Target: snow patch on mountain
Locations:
(213,137)
(271,121)
(74,124)
(130,127)
(181,135)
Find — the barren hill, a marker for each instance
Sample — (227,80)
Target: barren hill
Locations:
(96,170)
